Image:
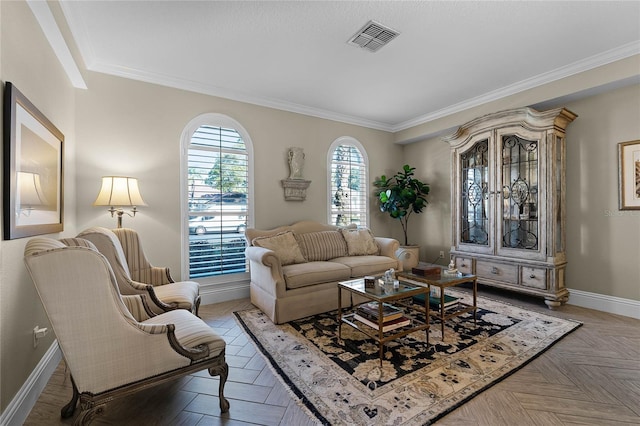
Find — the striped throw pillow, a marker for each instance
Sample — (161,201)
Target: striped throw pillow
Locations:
(322,245)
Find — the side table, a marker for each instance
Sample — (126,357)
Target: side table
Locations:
(443,281)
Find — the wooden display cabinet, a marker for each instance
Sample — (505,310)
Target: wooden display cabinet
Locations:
(508,201)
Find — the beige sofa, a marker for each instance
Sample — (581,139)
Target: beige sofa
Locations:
(295,269)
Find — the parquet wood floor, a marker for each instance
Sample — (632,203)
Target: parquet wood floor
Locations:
(591,377)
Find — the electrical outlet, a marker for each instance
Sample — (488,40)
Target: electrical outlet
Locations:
(38,333)
(441,254)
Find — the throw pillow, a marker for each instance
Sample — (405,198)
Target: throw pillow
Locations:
(322,245)
(284,245)
(359,242)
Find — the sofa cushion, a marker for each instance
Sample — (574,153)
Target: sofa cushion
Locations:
(367,265)
(284,245)
(323,245)
(359,242)
(311,273)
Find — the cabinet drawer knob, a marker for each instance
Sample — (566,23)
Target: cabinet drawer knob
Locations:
(532,276)
(464,265)
(494,270)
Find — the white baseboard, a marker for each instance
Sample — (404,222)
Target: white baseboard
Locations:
(604,303)
(216,293)
(20,406)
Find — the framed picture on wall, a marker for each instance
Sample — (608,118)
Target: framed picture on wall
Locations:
(629,175)
(33,156)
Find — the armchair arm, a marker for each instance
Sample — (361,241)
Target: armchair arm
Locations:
(147,289)
(188,335)
(266,270)
(138,306)
(154,275)
(388,247)
(156,301)
(194,354)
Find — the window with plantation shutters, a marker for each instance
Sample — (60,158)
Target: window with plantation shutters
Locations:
(348,183)
(217,195)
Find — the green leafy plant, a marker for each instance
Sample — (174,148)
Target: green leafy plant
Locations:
(401,195)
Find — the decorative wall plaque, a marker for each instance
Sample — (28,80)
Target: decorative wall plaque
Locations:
(295,189)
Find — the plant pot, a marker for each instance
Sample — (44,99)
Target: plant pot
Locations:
(409,256)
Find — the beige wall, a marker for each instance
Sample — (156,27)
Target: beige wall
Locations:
(133,128)
(28,62)
(603,243)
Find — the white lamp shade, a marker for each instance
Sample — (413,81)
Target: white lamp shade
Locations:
(30,190)
(119,191)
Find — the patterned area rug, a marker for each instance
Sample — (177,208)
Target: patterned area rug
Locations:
(342,383)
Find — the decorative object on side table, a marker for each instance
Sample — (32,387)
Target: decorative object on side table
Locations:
(424,270)
(369,281)
(400,196)
(33,157)
(451,269)
(295,186)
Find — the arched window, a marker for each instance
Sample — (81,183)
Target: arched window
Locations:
(217,186)
(348,183)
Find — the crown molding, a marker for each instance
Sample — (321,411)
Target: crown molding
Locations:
(48,24)
(192,86)
(613,55)
(587,64)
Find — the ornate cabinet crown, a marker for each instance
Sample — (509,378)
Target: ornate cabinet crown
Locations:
(508,200)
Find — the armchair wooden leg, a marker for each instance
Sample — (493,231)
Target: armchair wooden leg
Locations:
(223,372)
(197,306)
(68,410)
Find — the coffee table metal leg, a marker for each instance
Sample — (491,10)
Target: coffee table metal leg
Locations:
(442,312)
(475,301)
(426,310)
(339,313)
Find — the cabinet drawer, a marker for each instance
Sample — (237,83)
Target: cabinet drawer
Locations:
(464,265)
(497,271)
(534,277)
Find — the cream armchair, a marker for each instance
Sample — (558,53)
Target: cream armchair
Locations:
(111,344)
(140,268)
(135,275)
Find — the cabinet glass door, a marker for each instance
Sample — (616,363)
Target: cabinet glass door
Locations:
(474,169)
(520,196)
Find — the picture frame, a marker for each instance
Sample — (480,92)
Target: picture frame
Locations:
(32,169)
(629,175)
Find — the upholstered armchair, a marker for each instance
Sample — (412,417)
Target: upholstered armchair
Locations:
(140,268)
(114,345)
(135,275)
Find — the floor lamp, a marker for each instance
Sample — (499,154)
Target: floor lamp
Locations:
(118,192)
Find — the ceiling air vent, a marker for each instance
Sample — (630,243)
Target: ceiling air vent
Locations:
(373,36)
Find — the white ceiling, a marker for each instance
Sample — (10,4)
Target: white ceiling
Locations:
(294,55)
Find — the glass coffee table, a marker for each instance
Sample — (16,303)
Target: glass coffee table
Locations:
(443,281)
(384,295)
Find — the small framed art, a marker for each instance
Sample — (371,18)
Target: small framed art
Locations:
(33,157)
(629,175)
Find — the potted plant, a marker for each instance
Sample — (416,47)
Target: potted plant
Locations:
(400,196)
